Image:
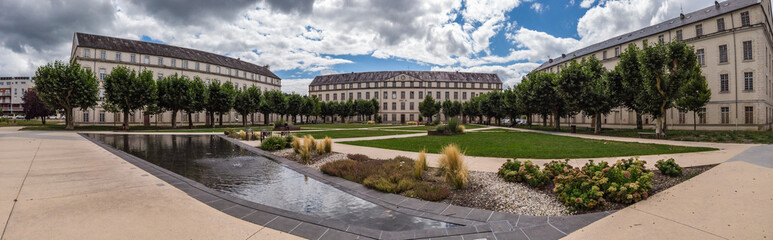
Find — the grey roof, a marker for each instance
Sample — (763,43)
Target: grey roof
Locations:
(700,15)
(126,45)
(433,76)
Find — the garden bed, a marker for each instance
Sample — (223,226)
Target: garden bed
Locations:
(290,128)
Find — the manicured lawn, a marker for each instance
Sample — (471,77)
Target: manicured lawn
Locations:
(22,122)
(180,128)
(526,145)
(340,125)
(352,133)
(765,137)
(434,127)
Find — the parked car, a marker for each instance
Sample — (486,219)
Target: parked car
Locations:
(20,116)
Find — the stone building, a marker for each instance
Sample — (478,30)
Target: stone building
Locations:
(12,90)
(733,43)
(101,54)
(399,92)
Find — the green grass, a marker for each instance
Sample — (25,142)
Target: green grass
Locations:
(764,137)
(434,127)
(352,133)
(527,145)
(22,122)
(340,125)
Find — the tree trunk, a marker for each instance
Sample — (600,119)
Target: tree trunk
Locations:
(220,121)
(125,119)
(659,126)
(639,122)
(694,121)
(68,119)
(190,120)
(528,120)
(556,120)
(597,128)
(544,120)
(265,119)
(43,119)
(174,118)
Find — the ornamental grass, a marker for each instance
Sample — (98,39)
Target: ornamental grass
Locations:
(452,166)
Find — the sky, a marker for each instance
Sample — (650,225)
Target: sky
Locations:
(301,39)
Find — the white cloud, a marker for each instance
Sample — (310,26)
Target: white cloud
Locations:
(587,3)
(538,7)
(299,86)
(509,74)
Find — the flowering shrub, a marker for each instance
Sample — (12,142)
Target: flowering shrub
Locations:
(516,171)
(669,167)
(628,181)
(555,168)
(359,157)
(430,192)
(578,190)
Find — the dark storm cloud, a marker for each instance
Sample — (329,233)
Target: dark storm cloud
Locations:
(288,6)
(44,24)
(182,12)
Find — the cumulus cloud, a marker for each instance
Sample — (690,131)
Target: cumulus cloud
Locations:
(587,3)
(538,7)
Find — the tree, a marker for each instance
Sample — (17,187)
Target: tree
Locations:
(198,96)
(451,109)
(376,109)
(525,93)
(34,108)
(316,107)
(246,103)
(265,107)
(665,70)
(64,86)
(294,104)
(548,99)
(512,106)
(695,95)
(174,94)
(214,91)
(596,93)
(429,107)
(130,91)
(627,84)
(225,98)
(277,101)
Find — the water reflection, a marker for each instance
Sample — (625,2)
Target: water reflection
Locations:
(226,167)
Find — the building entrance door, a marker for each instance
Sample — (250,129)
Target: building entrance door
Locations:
(402,118)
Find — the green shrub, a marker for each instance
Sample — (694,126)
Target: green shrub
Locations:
(289,141)
(555,168)
(440,128)
(628,181)
(389,183)
(273,143)
(346,169)
(669,167)
(279,123)
(516,171)
(578,190)
(453,125)
(430,192)
(435,122)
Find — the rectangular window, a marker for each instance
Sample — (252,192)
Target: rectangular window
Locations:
(446,84)
(679,35)
(160,76)
(411,106)
(335,97)
(456,95)
(147,59)
(411,84)
(617,52)
(385,106)
(747,50)
(207,67)
(402,106)
(133,58)
(722,53)
(720,24)
(197,66)
(174,62)
(748,114)
(421,95)
(185,64)
(386,95)
(701,57)
(359,95)
(87,53)
(724,115)
(394,106)
(217,69)
(101,116)
(702,116)
(402,84)
(351,95)
(85,116)
(402,95)
(745,19)
(118,56)
(724,83)
(748,81)
(699,30)
(394,94)
(411,94)
(343,97)
(103,55)
(375,95)
(367,95)
(661,39)
(464,95)
(437,95)
(160,61)
(448,95)
(101,74)
(604,55)
(394,117)
(327,97)
(682,116)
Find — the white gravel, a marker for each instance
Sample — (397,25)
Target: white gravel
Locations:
(495,194)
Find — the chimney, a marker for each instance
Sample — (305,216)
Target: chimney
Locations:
(681,16)
(267,67)
(550,60)
(563,55)
(716,4)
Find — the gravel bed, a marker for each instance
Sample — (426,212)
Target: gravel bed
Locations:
(487,191)
(316,160)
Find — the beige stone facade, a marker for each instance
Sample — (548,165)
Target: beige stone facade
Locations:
(734,45)
(101,60)
(400,92)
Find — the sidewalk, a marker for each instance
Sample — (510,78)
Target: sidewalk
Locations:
(69,188)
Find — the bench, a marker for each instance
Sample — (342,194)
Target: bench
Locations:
(264,134)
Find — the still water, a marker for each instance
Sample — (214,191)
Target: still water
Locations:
(228,168)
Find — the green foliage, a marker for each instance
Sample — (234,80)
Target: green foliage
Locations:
(695,94)
(33,107)
(247,102)
(435,122)
(273,143)
(198,97)
(288,141)
(346,169)
(129,91)
(174,94)
(628,181)
(578,190)
(669,167)
(279,123)
(428,107)
(430,192)
(555,168)
(389,183)
(66,86)
(517,171)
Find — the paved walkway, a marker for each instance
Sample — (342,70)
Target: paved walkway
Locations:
(492,164)
(57,185)
(731,201)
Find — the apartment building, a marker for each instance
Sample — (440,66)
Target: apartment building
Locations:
(102,53)
(733,43)
(12,90)
(399,92)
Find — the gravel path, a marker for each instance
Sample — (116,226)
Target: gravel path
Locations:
(487,191)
